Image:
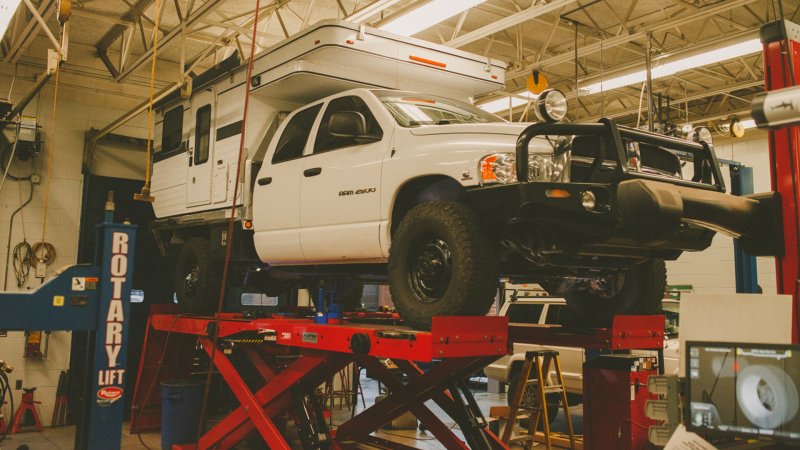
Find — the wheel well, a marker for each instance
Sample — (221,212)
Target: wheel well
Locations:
(426,189)
(170,240)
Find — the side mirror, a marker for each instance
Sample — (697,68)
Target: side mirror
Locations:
(347,124)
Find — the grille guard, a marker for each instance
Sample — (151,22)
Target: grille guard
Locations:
(707,174)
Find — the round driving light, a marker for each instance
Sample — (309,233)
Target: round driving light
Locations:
(588,200)
(551,105)
(702,134)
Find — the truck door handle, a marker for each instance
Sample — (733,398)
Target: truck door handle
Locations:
(312,172)
(264,181)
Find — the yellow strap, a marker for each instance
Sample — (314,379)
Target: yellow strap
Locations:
(152,88)
(51,138)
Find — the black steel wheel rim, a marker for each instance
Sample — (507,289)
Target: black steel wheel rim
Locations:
(430,268)
(191,279)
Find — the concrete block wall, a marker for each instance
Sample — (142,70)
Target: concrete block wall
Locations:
(712,271)
(85,100)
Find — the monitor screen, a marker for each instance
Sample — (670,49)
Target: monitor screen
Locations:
(743,389)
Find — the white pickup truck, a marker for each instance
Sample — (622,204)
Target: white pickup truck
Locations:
(351,174)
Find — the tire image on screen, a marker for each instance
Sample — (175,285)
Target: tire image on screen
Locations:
(767,396)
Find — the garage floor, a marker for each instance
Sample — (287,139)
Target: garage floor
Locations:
(62,438)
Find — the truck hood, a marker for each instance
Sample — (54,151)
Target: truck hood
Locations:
(511,129)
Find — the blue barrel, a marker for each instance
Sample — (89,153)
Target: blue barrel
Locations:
(181,401)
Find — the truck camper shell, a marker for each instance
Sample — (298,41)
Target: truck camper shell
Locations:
(327,58)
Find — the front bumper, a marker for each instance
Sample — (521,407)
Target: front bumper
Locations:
(634,214)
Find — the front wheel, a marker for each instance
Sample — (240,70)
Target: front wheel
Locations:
(441,264)
(638,290)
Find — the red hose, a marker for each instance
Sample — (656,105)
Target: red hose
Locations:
(231,220)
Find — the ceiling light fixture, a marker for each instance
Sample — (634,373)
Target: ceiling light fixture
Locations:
(501,104)
(370,10)
(679,65)
(7,10)
(749,123)
(427,15)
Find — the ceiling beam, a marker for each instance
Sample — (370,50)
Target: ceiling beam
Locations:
(722,90)
(196,16)
(507,22)
(632,37)
(22,40)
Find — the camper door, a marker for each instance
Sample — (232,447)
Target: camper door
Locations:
(201,149)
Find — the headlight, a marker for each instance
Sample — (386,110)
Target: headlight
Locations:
(551,106)
(542,167)
(702,134)
(499,168)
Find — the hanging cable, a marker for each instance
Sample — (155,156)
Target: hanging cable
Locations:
(231,219)
(10,229)
(43,252)
(144,195)
(50,149)
(13,152)
(22,262)
(641,98)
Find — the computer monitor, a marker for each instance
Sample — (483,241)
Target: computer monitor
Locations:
(743,389)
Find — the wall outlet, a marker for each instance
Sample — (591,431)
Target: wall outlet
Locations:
(41,270)
(36,178)
(18,385)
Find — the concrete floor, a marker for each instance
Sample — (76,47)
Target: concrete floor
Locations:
(62,438)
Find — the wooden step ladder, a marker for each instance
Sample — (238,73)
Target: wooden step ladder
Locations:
(539,362)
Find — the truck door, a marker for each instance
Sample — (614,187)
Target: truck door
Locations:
(340,190)
(276,195)
(201,137)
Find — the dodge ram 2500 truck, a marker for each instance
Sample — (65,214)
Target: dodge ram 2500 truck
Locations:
(353,175)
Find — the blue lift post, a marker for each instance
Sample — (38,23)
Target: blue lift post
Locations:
(95,298)
(746,265)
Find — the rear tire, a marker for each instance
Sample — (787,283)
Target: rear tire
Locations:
(641,293)
(197,278)
(441,264)
(553,400)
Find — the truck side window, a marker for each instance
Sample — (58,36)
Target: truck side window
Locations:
(202,131)
(555,314)
(172,129)
(326,142)
(294,137)
(524,312)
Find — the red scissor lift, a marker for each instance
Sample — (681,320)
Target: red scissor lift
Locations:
(315,353)
(294,356)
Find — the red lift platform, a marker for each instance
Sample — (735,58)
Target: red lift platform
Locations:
(294,356)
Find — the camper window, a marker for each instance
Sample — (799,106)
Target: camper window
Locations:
(295,135)
(326,142)
(172,133)
(202,130)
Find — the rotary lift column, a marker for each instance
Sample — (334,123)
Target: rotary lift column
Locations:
(781,41)
(93,298)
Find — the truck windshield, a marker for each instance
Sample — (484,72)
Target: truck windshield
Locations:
(411,109)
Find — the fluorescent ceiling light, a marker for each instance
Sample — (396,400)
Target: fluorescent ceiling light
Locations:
(673,67)
(427,15)
(749,123)
(501,104)
(370,10)
(7,10)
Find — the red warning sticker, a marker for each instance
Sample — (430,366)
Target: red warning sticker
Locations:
(108,395)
